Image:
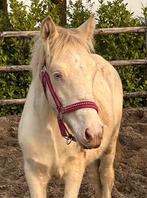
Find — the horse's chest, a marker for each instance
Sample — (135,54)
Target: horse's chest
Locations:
(47,150)
(65,156)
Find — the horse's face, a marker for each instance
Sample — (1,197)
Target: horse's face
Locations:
(72,74)
(72,77)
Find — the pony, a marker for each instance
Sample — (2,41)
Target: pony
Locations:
(72,114)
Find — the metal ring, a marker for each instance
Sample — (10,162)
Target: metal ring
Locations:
(68,140)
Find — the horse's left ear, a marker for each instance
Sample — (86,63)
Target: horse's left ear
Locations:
(87,28)
(48,29)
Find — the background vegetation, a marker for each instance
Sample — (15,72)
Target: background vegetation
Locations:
(17,51)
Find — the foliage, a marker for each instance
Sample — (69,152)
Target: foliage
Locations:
(29,18)
(77,13)
(114,47)
(122,46)
(4,21)
(109,14)
(16,51)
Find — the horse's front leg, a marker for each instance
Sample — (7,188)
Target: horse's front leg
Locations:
(95,178)
(73,179)
(37,176)
(107,170)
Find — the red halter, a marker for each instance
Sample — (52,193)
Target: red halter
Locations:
(62,110)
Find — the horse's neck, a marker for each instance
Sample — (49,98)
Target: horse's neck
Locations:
(41,104)
(48,117)
(48,120)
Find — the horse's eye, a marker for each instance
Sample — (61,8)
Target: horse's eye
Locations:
(57,75)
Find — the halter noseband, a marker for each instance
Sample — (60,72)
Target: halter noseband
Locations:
(62,110)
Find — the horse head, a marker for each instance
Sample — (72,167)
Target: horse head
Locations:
(71,69)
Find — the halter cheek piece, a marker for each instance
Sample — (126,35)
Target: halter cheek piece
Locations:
(46,82)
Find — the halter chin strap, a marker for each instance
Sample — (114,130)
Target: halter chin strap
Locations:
(46,82)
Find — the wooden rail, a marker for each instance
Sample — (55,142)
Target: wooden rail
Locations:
(17,34)
(104,31)
(22,101)
(136,62)
(116,63)
(100,31)
(12,102)
(135,95)
(15,68)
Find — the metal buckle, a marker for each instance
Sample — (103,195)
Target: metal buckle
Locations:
(43,68)
(68,140)
(60,115)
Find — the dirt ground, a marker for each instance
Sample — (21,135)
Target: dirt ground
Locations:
(130,166)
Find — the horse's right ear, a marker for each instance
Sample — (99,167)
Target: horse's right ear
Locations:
(86,30)
(48,29)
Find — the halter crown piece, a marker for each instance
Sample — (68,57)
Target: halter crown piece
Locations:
(46,82)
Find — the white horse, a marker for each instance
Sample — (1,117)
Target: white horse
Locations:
(72,114)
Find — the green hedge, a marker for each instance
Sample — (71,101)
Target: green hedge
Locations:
(17,51)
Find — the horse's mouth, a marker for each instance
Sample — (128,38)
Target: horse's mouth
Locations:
(89,146)
(86,146)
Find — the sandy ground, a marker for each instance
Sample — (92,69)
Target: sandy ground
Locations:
(130,164)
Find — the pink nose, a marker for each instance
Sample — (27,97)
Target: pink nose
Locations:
(92,138)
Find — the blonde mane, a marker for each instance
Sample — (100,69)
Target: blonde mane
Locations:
(66,38)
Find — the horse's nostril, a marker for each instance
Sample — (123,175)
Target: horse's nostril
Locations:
(88,135)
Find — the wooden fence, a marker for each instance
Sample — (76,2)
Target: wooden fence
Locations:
(102,31)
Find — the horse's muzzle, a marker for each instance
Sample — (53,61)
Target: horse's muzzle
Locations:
(92,139)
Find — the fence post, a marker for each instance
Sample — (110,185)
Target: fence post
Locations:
(145,68)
